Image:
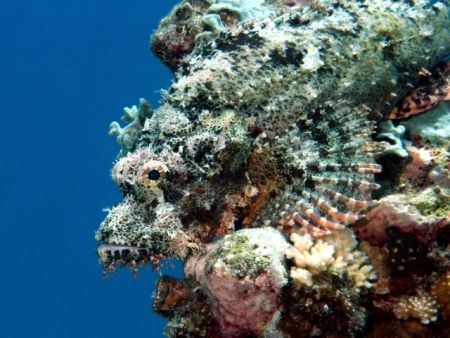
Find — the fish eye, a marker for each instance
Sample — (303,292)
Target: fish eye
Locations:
(153,175)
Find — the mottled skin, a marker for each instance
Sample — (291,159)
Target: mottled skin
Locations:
(255,128)
(269,122)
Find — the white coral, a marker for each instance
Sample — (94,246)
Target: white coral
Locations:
(336,253)
(421,306)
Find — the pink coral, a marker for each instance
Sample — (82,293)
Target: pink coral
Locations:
(244,305)
(397,210)
(416,169)
(243,302)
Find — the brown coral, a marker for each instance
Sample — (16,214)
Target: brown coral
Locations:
(417,169)
(440,291)
(397,210)
(175,37)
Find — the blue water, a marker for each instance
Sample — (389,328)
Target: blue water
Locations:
(66,70)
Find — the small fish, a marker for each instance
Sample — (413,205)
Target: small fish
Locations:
(434,88)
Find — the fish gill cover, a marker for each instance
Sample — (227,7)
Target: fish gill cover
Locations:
(269,171)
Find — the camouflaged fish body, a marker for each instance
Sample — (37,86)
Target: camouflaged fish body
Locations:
(266,124)
(328,172)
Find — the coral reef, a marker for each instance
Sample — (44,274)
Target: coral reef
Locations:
(421,213)
(186,307)
(335,254)
(272,131)
(243,276)
(394,136)
(421,306)
(330,275)
(432,127)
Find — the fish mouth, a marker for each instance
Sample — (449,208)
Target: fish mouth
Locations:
(112,255)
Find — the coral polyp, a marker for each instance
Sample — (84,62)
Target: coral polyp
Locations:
(260,169)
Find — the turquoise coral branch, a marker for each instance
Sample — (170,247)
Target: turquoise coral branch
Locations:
(135,116)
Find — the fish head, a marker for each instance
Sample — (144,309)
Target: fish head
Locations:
(185,183)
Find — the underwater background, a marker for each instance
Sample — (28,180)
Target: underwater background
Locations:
(67,70)
(298,167)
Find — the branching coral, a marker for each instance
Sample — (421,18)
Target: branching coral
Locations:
(336,254)
(421,306)
(136,117)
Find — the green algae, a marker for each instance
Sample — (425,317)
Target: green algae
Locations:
(432,202)
(239,257)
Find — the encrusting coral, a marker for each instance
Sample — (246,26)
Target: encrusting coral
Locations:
(247,266)
(268,133)
(431,127)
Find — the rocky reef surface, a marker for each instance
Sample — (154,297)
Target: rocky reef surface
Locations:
(299,166)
